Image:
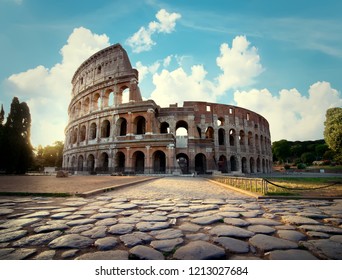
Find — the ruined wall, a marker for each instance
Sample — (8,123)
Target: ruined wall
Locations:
(111,129)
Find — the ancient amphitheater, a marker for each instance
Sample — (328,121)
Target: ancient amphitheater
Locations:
(112,129)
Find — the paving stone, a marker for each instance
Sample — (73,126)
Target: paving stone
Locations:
(81,222)
(233,245)
(46,255)
(146,253)
(75,203)
(105,255)
(74,217)
(236,222)
(268,243)
(37,239)
(231,209)
(106,243)
(291,235)
(69,253)
(226,230)
(178,215)
(18,223)
(5,251)
(135,238)
(285,227)
(251,214)
(13,235)
(199,250)
(204,207)
(189,227)
(263,221)
(154,218)
(168,234)
(95,232)
(292,254)
(79,229)
(197,236)
(51,227)
(101,216)
(149,226)
(39,214)
(313,215)
(19,254)
(207,220)
(121,229)
(333,221)
(75,241)
(126,206)
(261,229)
(5,211)
(60,215)
(226,214)
(317,234)
(320,228)
(298,220)
(213,201)
(325,249)
(128,220)
(166,245)
(107,222)
(65,209)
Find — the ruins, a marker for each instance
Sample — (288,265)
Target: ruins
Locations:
(111,129)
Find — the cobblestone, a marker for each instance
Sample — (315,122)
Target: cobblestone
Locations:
(172,218)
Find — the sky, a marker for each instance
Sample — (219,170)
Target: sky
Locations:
(281,59)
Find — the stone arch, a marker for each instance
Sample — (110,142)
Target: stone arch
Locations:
(183,162)
(92,131)
(222,137)
(263,165)
(258,165)
(108,98)
(104,162)
(250,139)
(232,135)
(83,132)
(164,127)
(252,165)
(244,165)
(80,163)
(200,163)
(220,121)
(140,125)
(75,136)
(120,162)
(223,164)
(105,129)
(209,133)
(121,127)
(183,125)
(139,162)
(159,162)
(73,162)
(85,106)
(242,138)
(91,163)
(257,142)
(97,101)
(233,164)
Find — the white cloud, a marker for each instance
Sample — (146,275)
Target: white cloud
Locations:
(47,91)
(291,115)
(142,39)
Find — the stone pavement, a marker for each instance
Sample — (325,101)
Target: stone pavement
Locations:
(170,218)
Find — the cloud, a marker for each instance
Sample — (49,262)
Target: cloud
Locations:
(142,39)
(292,115)
(47,90)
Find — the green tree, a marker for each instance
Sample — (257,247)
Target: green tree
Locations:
(333,131)
(49,155)
(281,150)
(308,158)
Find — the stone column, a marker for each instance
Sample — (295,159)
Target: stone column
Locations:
(148,161)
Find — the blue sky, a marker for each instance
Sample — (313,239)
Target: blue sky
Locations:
(282,60)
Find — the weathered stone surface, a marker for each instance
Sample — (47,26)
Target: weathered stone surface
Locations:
(203,207)
(105,255)
(146,253)
(317,234)
(126,206)
(60,215)
(18,223)
(166,245)
(199,250)
(5,211)
(251,214)
(168,234)
(19,254)
(149,226)
(135,238)
(107,222)
(129,220)
(236,222)
(46,255)
(325,249)
(101,216)
(313,215)
(291,235)
(292,254)
(81,228)
(13,235)
(39,214)
(326,229)
(261,229)
(263,221)
(226,230)
(189,227)
(75,241)
(5,251)
(37,239)
(233,245)
(96,232)
(268,243)
(79,222)
(121,229)
(51,227)
(106,243)
(229,214)
(154,218)
(197,236)
(299,220)
(207,220)
(69,253)
(336,238)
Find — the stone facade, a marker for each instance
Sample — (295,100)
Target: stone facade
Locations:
(112,129)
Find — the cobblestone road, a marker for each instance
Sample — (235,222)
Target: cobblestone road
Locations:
(169,218)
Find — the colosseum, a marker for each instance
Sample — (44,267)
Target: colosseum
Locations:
(111,129)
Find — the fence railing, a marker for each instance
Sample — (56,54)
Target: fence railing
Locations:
(256,185)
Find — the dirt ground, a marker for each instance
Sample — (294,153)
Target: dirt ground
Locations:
(71,185)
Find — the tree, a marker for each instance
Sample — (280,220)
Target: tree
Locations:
(333,131)
(281,150)
(49,155)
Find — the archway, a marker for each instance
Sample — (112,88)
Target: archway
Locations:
(223,164)
(159,162)
(140,125)
(120,159)
(233,164)
(80,163)
(139,162)
(183,162)
(221,136)
(252,165)
(244,165)
(92,131)
(200,163)
(104,160)
(105,129)
(90,163)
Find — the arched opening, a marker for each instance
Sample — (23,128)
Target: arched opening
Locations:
(223,164)
(221,136)
(139,162)
(86,103)
(80,163)
(159,162)
(181,134)
(232,137)
(263,165)
(125,95)
(199,130)
(111,99)
(140,125)
(75,136)
(90,163)
(200,163)
(92,131)
(242,138)
(73,163)
(183,162)
(252,165)
(105,129)
(120,160)
(250,139)
(164,127)
(78,109)
(257,143)
(104,161)
(83,133)
(244,165)
(220,121)
(97,101)
(258,165)
(122,126)
(209,133)
(233,164)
